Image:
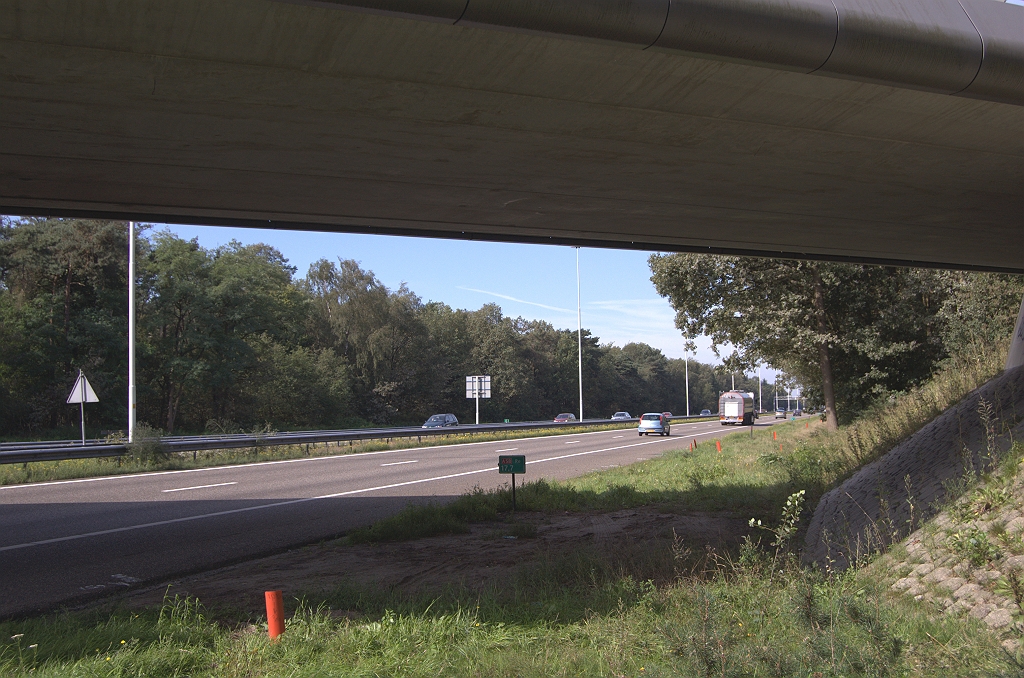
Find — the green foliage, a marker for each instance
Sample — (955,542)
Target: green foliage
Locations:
(145,448)
(876,331)
(231,335)
(829,457)
(62,308)
(788,524)
(980,310)
(974,545)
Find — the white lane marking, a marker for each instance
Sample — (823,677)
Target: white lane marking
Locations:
(613,437)
(571,442)
(511,449)
(199,487)
(357,455)
(292,502)
(398,463)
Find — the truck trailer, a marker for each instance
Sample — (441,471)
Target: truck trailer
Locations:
(736,407)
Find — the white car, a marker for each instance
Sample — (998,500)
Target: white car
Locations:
(621,415)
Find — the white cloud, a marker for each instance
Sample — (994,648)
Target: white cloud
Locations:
(518,301)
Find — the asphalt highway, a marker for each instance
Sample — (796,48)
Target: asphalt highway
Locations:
(68,541)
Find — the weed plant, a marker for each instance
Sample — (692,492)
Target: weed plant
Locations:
(831,457)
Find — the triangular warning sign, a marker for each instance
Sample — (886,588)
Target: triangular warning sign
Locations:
(82,391)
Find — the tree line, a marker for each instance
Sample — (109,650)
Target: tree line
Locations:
(849,334)
(231,339)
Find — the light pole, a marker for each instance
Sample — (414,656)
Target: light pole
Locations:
(686,364)
(131,331)
(759,403)
(579,331)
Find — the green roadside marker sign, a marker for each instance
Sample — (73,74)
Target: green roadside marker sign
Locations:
(512,463)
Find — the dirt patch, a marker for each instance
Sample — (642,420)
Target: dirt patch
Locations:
(477,560)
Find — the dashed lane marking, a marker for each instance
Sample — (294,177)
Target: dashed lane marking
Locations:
(199,487)
(293,502)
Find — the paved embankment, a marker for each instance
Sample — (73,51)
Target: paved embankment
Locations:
(883,501)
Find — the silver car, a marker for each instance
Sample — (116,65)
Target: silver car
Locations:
(654,422)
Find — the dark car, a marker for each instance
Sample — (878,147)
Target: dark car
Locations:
(565,418)
(705,413)
(439,420)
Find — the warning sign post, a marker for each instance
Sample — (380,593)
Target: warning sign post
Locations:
(82,393)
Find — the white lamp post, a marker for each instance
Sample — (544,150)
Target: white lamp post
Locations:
(131,331)
(579,331)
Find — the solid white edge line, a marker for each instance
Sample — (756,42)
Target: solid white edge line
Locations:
(291,502)
(200,487)
(398,463)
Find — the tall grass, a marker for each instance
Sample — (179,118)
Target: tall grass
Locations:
(831,457)
(572,615)
(704,479)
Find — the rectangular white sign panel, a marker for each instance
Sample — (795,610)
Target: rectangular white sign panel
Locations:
(478,386)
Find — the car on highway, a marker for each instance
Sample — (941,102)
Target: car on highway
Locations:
(654,422)
(565,418)
(439,420)
(705,413)
(667,415)
(621,415)
(780,413)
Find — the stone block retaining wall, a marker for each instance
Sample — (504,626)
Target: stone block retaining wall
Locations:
(887,499)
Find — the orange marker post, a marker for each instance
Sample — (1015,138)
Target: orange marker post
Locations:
(774,436)
(275,614)
(718,444)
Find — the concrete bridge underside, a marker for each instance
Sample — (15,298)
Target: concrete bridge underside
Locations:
(312,115)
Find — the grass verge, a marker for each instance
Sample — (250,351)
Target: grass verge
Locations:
(657,610)
(831,457)
(736,480)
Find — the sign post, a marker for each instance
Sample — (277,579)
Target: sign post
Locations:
(477,387)
(512,463)
(82,393)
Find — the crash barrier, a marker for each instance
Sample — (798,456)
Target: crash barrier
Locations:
(24,452)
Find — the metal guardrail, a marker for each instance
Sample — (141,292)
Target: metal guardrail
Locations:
(20,453)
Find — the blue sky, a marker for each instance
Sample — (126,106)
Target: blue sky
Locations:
(619,303)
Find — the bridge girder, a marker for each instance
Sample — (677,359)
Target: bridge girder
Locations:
(311,115)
